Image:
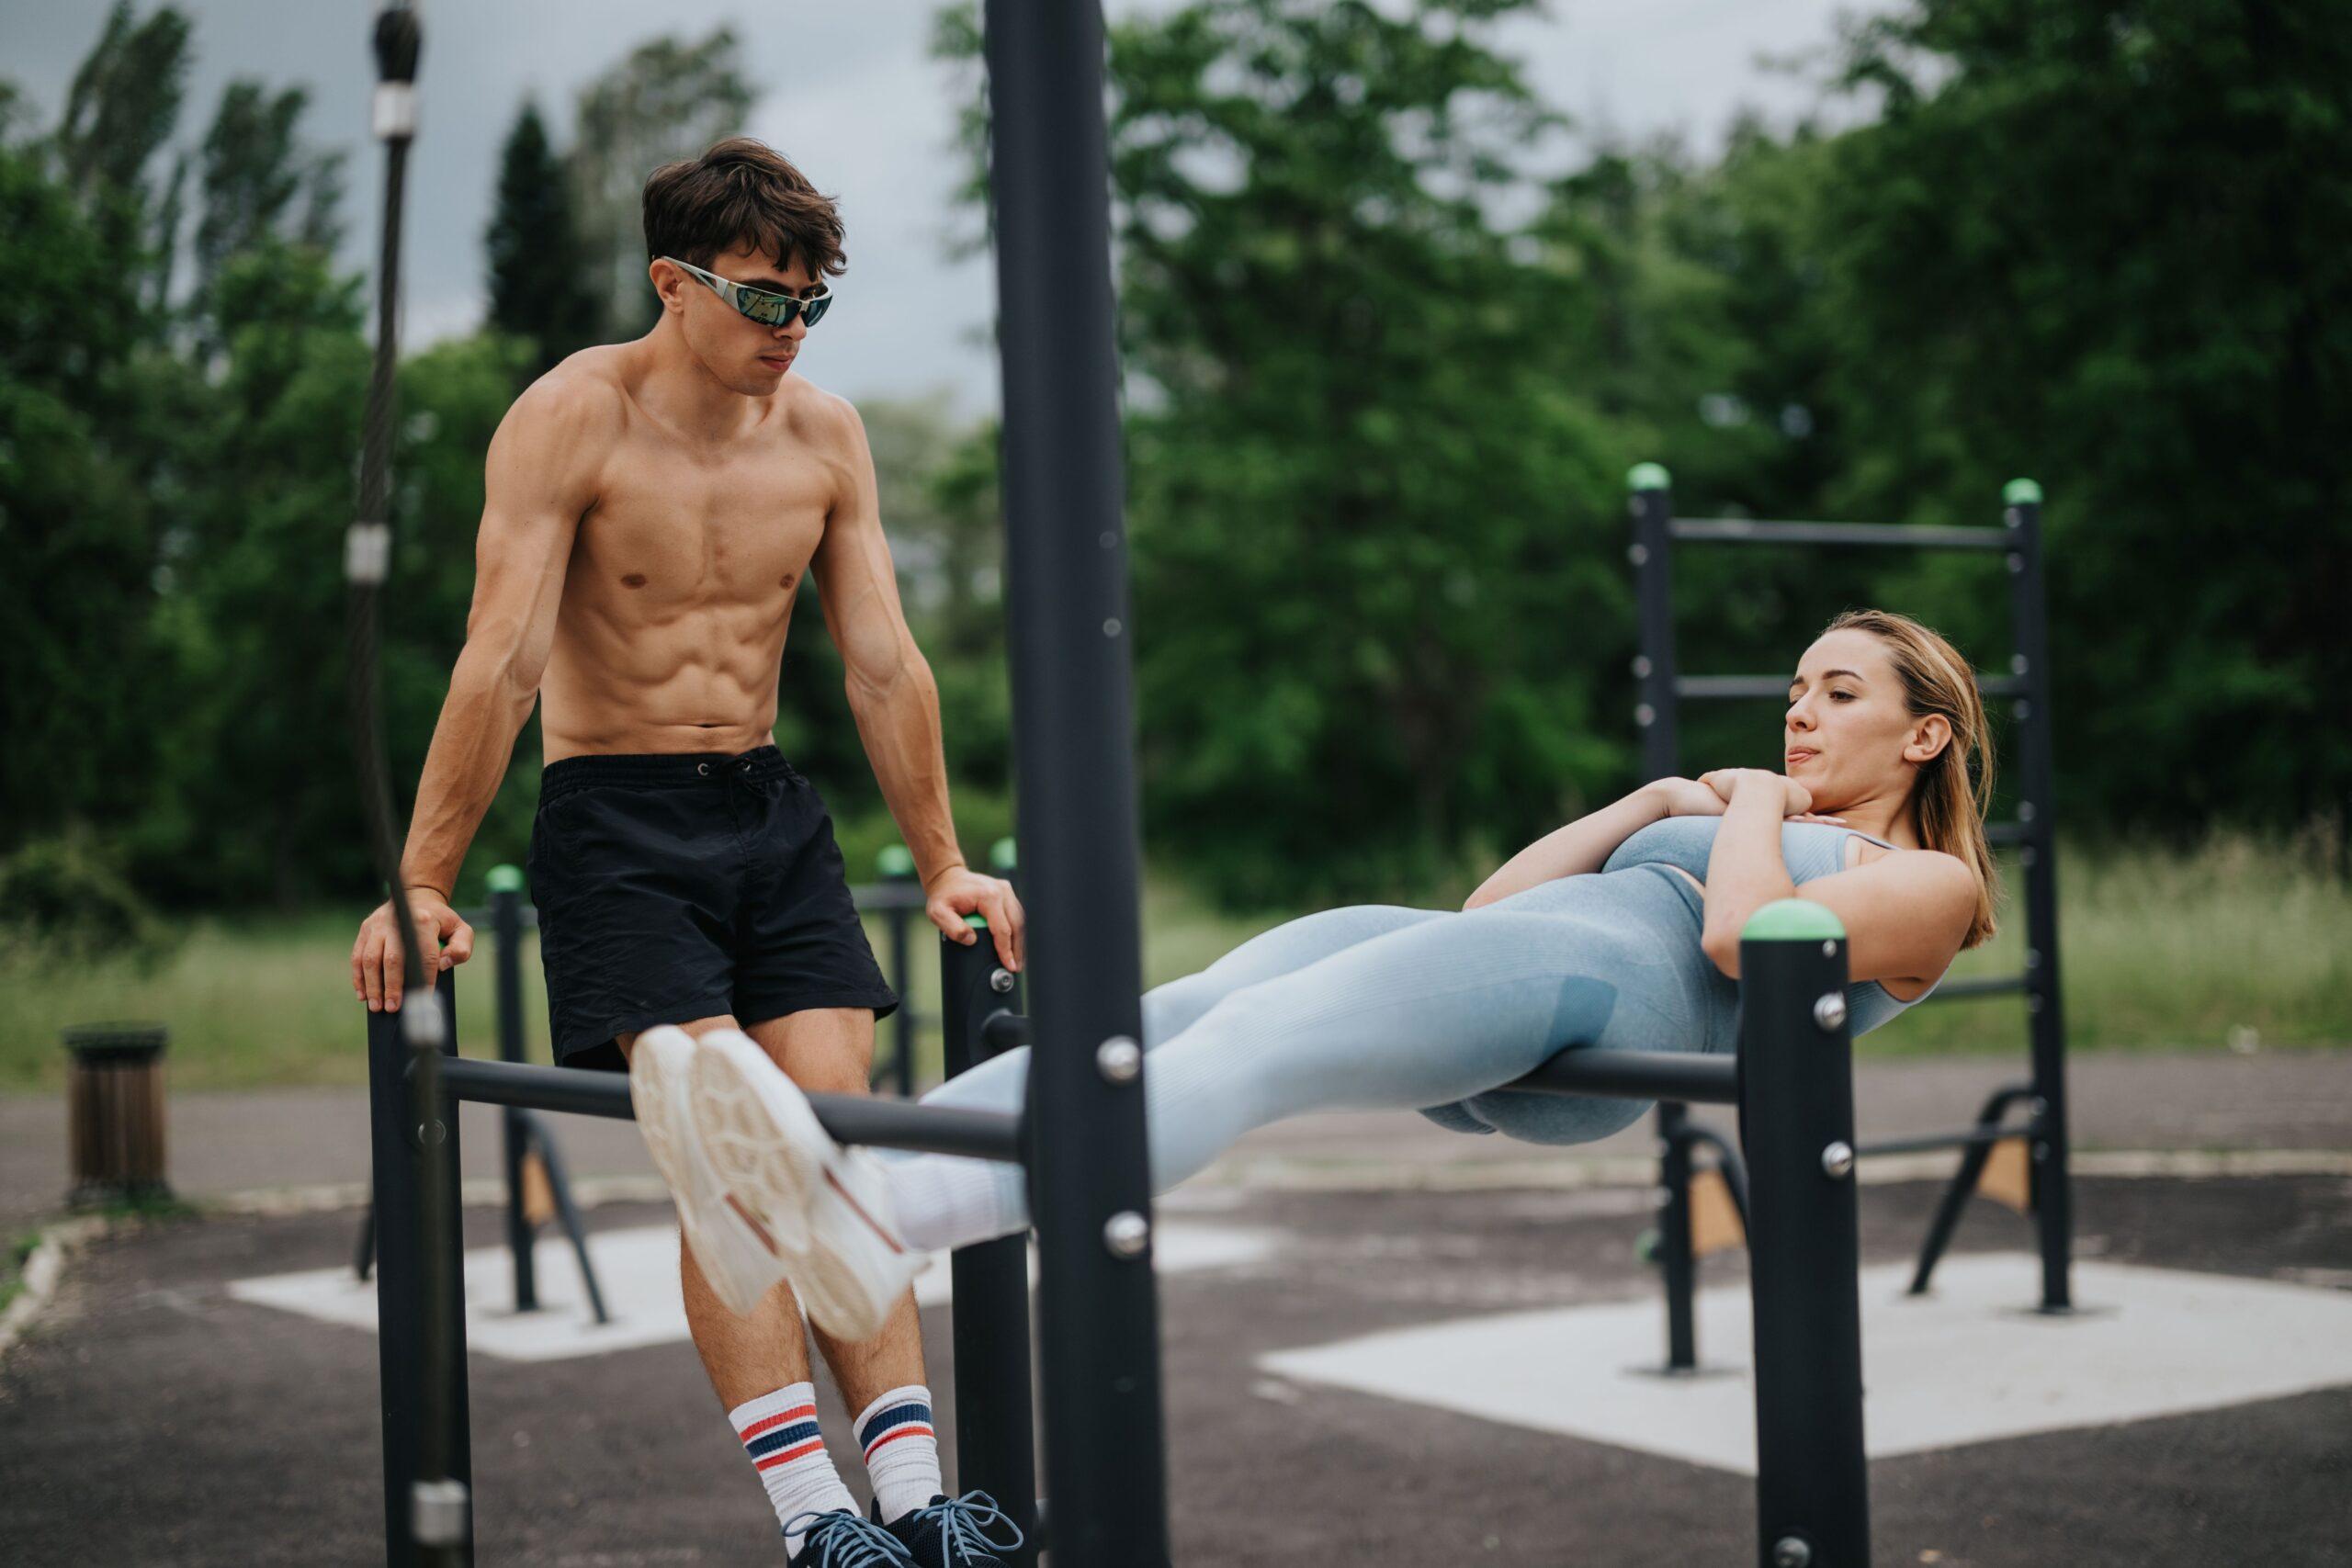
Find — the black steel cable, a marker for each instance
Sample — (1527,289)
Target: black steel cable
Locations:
(438,1507)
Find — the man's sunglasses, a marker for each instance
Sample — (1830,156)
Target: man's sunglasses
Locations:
(763,305)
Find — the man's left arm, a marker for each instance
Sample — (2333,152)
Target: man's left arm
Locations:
(896,702)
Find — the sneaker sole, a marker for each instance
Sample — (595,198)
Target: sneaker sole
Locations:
(739,1259)
(770,1152)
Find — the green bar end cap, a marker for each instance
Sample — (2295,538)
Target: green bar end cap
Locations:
(977,923)
(2022,492)
(896,860)
(1794,919)
(1004,855)
(505,879)
(1648,476)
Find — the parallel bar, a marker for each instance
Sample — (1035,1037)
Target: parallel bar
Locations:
(878,1122)
(2052,1193)
(1638,1075)
(996,1445)
(1979,986)
(1739,530)
(405,1302)
(1677,1261)
(1067,620)
(506,956)
(1931,1142)
(1724,688)
(1795,1117)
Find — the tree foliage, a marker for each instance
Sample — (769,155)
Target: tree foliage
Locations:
(538,291)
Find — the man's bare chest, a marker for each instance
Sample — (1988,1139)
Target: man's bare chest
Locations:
(741,527)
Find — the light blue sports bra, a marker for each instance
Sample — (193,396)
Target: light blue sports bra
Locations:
(1809,850)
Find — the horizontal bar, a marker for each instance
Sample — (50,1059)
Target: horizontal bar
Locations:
(1978,985)
(1638,1075)
(871,898)
(1931,1141)
(879,1122)
(1703,688)
(1002,1030)
(1741,531)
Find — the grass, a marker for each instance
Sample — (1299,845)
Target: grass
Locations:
(2239,943)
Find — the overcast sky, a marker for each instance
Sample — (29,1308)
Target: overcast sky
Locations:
(852,96)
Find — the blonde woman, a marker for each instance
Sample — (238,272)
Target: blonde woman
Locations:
(1619,931)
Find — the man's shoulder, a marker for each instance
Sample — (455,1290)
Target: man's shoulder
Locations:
(587,387)
(825,420)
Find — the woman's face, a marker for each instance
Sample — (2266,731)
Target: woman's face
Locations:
(1849,736)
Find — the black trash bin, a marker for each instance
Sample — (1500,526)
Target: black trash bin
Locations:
(115,1112)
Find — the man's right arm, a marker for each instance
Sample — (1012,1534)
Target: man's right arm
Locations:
(539,481)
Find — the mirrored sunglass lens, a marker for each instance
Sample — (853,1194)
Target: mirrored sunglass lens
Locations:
(814,310)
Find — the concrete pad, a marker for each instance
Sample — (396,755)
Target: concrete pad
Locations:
(636,1268)
(1966,1365)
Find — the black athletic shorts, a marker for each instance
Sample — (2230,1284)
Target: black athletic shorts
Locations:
(674,888)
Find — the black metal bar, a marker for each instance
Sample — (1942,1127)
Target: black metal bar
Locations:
(536,1136)
(507,955)
(1743,688)
(1638,1075)
(995,1424)
(1073,731)
(878,1121)
(1797,1124)
(1677,1264)
(363,1258)
(1977,985)
(1003,1030)
(2053,1193)
(1740,531)
(1656,667)
(898,869)
(405,1287)
(1962,1186)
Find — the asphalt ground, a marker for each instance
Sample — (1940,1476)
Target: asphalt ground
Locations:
(149,1418)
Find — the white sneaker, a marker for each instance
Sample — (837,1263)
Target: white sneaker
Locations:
(741,1260)
(845,1260)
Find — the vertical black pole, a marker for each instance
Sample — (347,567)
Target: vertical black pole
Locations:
(1655,714)
(996,1445)
(1652,506)
(404,1282)
(506,946)
(2053,1191)
(1074,733)
(1674,1256)
(897,864)
(1796,1115)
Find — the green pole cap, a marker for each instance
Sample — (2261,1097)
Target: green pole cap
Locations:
(1648,476)
(1793,919)
(977,923)
(1004,855)
(896,860)
(505,879)
(2022,492)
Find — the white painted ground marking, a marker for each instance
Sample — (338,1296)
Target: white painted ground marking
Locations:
(638,1271)
(1965,1366)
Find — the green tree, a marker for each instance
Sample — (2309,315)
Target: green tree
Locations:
(1377,605)
(260,183)
(665,101)
(2111,246)
(538,291)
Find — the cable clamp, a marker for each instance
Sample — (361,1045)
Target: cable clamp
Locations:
(395,111)
(421,1022)
(367,553)
(437,1513)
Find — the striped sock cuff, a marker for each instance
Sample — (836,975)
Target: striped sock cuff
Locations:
(779,1427)
(901,1413)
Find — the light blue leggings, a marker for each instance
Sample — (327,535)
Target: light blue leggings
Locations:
(1376,1007)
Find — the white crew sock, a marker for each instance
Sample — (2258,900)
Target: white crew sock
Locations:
(779,1431)
(902,1451)
(944,1200)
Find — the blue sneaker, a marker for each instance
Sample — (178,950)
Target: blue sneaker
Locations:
(840,1538)
(953,1532)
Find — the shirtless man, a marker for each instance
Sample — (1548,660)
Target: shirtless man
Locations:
(651,509)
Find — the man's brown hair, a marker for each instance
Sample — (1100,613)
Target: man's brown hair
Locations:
(741,192)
